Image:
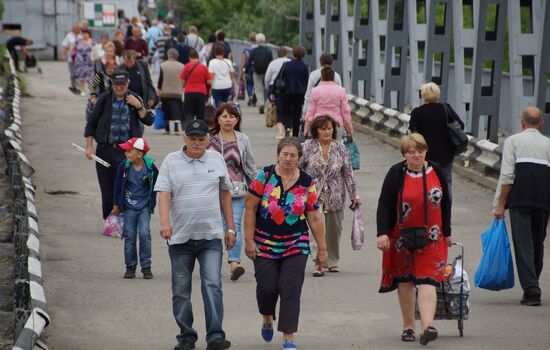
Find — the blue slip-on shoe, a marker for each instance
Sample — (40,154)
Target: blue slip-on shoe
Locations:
(288,345)
(267,332)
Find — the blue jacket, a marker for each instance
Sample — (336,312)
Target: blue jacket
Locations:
(120,183)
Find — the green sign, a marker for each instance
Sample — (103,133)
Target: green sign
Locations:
(100,15)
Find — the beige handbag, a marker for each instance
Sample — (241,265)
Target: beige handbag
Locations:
(270,115)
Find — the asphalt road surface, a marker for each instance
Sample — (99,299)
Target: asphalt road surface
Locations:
(93,307)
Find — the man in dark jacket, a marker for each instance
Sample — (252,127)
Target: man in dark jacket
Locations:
(12,44)
(259,60)
(117,116)
(140,78)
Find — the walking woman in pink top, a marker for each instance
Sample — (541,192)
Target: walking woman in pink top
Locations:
(328,98)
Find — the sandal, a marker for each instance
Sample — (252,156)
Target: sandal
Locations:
(408,335)
(333,269)
(318,272)
(429,334)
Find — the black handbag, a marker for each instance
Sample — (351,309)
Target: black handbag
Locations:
(414,237)
(458,138)
(279,85)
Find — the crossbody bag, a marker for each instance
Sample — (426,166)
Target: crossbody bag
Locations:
(189,74)
(238,188)
(414,237)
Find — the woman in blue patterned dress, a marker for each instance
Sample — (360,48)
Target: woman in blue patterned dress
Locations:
(82,57)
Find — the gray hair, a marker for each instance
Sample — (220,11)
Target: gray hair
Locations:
(260,38)
(532,116)
(290,142)
(173,53)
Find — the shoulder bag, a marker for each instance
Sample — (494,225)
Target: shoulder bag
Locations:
(189,74)
(457,137)
(238,188)
(413,237)
(279,85)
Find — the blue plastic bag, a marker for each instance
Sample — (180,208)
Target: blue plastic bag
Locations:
(159,122)
(495,270)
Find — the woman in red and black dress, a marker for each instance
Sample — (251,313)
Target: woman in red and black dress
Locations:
(402,269)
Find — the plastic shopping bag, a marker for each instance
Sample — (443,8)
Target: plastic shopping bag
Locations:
(495,270)
(160,121)
(358,229)
(113,226)
(355,158)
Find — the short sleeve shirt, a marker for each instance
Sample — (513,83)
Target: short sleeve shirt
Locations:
(136,193)
(194,184)
(281,228)
(222,70)
(196,81)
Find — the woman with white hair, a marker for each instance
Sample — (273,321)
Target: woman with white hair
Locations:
(430,120)
(170,89)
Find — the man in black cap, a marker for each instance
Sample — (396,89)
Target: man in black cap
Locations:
(117,116)
(193,186)
(12,44)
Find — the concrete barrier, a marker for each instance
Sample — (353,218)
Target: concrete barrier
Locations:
(395,123)
(31,312)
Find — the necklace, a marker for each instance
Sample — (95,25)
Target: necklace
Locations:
(288,180)
(325,153)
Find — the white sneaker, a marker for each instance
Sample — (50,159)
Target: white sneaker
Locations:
(82,94)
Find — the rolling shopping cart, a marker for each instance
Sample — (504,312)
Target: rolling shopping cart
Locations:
(452,294)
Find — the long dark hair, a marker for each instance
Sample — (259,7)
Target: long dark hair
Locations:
(232,110)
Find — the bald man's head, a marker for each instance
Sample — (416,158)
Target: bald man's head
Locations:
(531,117)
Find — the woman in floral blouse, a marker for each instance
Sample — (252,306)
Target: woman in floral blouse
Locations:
(327,161)
(280,205)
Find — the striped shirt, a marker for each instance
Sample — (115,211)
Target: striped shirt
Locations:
(194,184)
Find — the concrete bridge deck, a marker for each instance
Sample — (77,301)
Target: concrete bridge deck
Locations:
(93,307)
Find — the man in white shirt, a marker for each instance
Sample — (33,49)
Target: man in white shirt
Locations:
(68,45)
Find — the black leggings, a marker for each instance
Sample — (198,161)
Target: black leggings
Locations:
(106,176)
(292,111)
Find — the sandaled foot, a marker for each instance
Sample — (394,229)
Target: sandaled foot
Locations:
(408,335)
(429,334)
(333,269)
(238,272)
(318,272)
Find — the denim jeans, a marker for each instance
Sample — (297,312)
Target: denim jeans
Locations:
(220,96)
(136,224)
(250,86)
(182,258)
(234,253)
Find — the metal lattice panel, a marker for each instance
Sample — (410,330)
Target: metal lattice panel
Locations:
(438,48)
(379,32)
(397,45)
(524,41)
(490,52)
(542,91)
(417,35)
(362,51)
(308,37)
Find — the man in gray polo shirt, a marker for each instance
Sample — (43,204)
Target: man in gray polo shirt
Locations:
(193,186)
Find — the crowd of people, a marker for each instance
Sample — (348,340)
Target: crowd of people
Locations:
(211,194)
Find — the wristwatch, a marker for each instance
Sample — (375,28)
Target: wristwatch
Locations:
(141,108)
(231,231)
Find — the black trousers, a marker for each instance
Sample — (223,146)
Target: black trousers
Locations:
(106,176)
(13,53)
(282,278)
(292,111)
(193,106)
(528,234)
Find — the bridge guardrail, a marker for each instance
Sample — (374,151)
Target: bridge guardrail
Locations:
(396,123)
(30,309)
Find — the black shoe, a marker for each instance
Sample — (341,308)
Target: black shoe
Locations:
(147,274)
(261,109)
(219,344)
(530,301)
(184,346)
(130,272)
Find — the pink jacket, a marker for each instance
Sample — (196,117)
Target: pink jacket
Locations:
(331,99)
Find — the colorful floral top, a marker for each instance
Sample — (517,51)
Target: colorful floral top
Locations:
(281,228)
